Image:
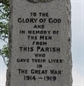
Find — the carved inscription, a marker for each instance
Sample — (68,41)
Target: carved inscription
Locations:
(40,38)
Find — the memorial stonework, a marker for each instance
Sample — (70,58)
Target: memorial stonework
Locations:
(40,43)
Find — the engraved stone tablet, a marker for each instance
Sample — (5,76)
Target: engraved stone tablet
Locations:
(40,43)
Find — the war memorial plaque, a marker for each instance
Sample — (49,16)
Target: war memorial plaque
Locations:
(40,43)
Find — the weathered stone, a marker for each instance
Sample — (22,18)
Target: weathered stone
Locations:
(40,43)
